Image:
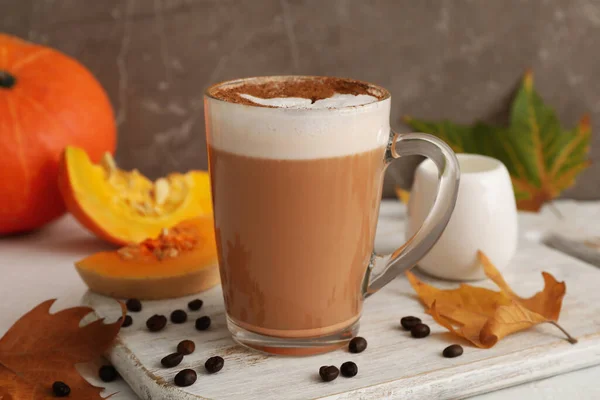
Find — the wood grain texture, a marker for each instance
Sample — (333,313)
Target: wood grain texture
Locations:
(395,366)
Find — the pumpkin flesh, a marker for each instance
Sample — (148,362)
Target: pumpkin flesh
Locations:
(180,261)
(124,206)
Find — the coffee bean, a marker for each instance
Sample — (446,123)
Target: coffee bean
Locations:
(329,373)
(156,322)
(60,389)
(186,347)
(409,322)
(214,364)
(452,351)
(108,373)
(127,321)
(178,317)
(420,331)
(349,369)
(357,345)
(203,323)
(195,305)
(172,360)
(185,377)
(134,305)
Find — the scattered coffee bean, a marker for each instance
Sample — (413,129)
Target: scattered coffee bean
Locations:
(134,305)
(172,360)
(322,369)
(178,317)
(357,345)
(409,322)
(127,321)
(420,331)
(452,351)
(185,377)
(108,373)
(195,305)
(214,364)
(329,373)
(156,322)
(203,323)
(349,369)
(186,347)
(60,389)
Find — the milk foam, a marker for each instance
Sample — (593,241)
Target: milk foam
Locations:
(336,101)
(297,131)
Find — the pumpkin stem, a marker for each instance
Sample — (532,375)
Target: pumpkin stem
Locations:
(7,80)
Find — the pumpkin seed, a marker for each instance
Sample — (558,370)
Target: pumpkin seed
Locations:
(161,191)
(108,163)
(125,254)
(131,179)
(172,252)
(140,208)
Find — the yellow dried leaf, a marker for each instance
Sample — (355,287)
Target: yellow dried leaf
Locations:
(483,316)
(485,331)
(403,195)
(548,302)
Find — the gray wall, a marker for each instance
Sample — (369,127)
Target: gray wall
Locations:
(441,59)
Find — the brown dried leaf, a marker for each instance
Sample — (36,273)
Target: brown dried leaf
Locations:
(13,387)
(41,348)
(483,316)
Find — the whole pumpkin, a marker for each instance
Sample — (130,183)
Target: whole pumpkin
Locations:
(47,101)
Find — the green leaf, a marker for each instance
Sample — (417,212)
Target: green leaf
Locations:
(542,158)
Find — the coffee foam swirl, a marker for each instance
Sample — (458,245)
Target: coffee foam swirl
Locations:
(338,100)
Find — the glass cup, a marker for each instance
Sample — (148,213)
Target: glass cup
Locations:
(296,194)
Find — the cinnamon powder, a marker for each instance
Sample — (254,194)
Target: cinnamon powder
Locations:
(308,87)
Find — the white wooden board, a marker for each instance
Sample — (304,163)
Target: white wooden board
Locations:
(394,366)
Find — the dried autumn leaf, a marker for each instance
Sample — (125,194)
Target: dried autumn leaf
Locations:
(483,316)
(547,303)
(403,195)
(543,158)
(41,348)
(13,387)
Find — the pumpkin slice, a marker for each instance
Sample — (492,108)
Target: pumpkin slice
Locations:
(182,260)
(124,206)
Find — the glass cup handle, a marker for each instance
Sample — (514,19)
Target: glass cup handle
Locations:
(384,268)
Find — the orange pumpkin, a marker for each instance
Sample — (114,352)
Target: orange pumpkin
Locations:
(47,101)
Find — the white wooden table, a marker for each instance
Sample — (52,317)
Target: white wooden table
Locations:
(38,266)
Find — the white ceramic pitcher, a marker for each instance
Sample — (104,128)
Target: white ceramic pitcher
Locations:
(484,218)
